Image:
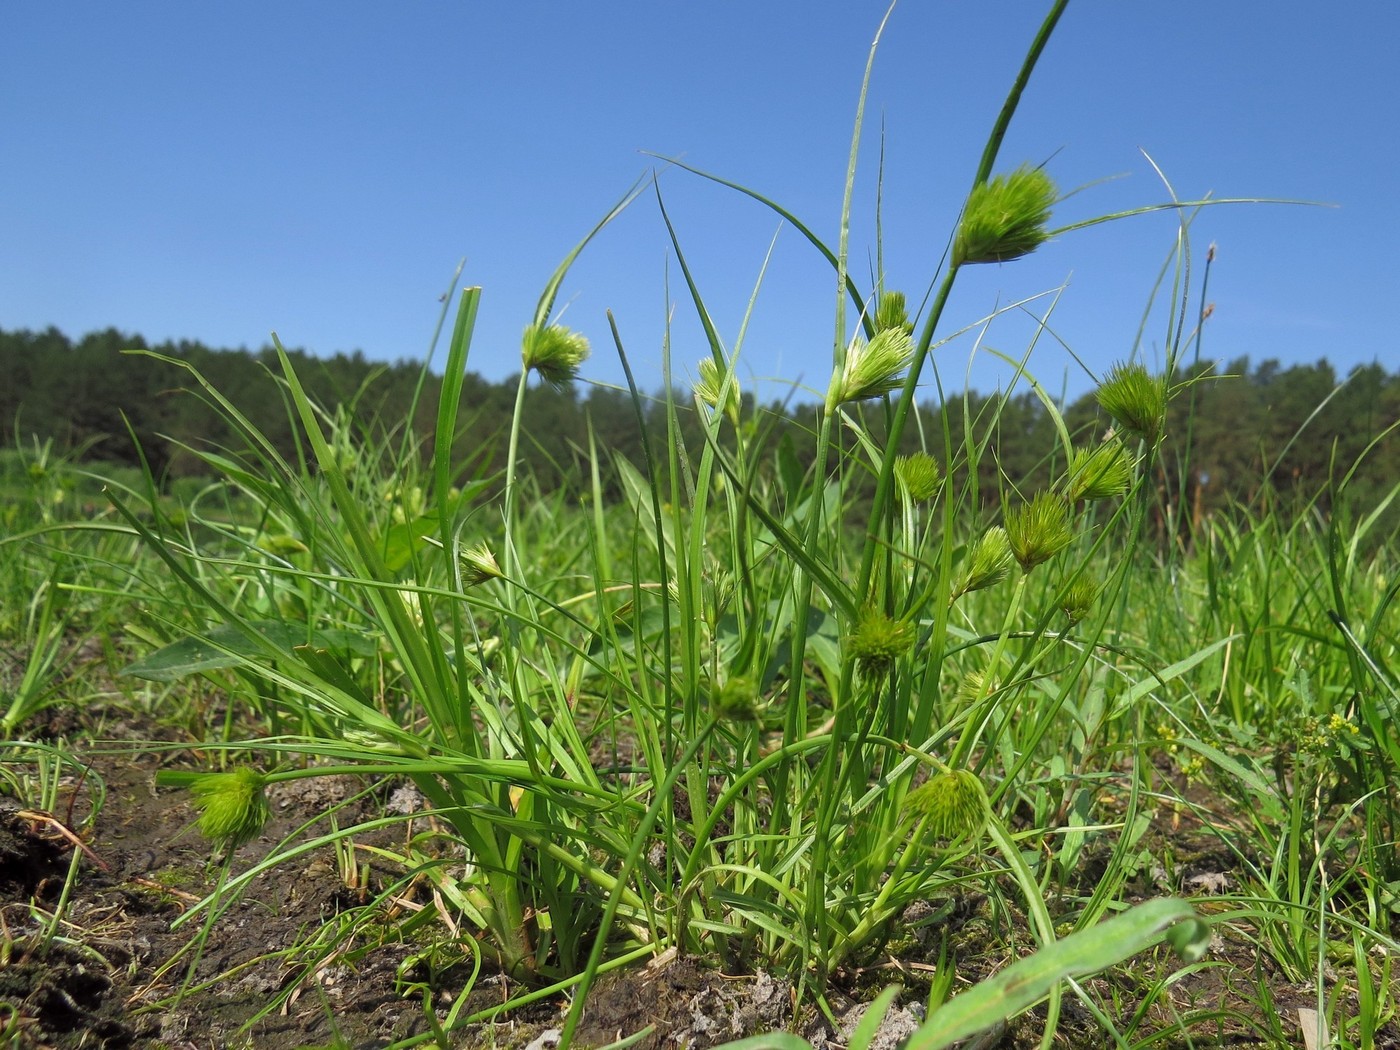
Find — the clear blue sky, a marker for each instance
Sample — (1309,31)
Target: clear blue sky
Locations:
(219,171)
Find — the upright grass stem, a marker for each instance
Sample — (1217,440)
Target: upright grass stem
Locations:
(838,765)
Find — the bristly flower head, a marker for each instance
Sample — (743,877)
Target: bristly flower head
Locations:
(554,352)
(988,563)
(892,312)
(977,684)
(1039,530)
(1005,217)
(1100,473)
(878,641)
(1136,399)
(918,476)
(1078,601)
(737,700)
(232,806)
(479,565)
(708,389)
(875,368)
(953,804)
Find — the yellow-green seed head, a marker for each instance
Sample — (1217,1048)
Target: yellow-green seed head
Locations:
(1136,399)
(952,805)
(1079,600)
(892,312)
(708,388)
(479,565)
(232,806)
(1100,473)
(1005,217)
(976,685)
(875,368)
(554,352)
(1039,530)
(878,641)
(988,563)
(918,476)
(737,701)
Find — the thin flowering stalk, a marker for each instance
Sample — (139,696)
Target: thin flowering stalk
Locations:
(836,770)
(906,400)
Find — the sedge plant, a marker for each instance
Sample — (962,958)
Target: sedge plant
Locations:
(710,717)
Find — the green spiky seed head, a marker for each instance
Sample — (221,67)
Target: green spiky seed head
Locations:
(1005,217)
(709,388)
(1078,601)
(1100,473)
(878,641)
(875,368)
(1136,399)
(232,806)
(554,352)
(1039,530)
(952,805)
(988,563)
(975,685)
(737,701)
(479,565)
(892,313)
(918,476)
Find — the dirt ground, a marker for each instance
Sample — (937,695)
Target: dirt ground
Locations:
(107,973)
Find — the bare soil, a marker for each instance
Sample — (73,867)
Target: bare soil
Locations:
(107,971)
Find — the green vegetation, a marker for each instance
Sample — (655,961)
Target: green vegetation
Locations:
(754,685)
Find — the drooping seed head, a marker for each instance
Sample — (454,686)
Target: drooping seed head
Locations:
(1005,217)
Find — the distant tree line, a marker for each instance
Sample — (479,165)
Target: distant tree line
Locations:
(1241,434)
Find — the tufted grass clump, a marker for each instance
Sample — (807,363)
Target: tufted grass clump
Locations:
(748,697)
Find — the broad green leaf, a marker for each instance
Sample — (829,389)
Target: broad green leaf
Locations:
(227,646)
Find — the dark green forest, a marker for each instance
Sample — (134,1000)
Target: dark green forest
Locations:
(1240,432)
